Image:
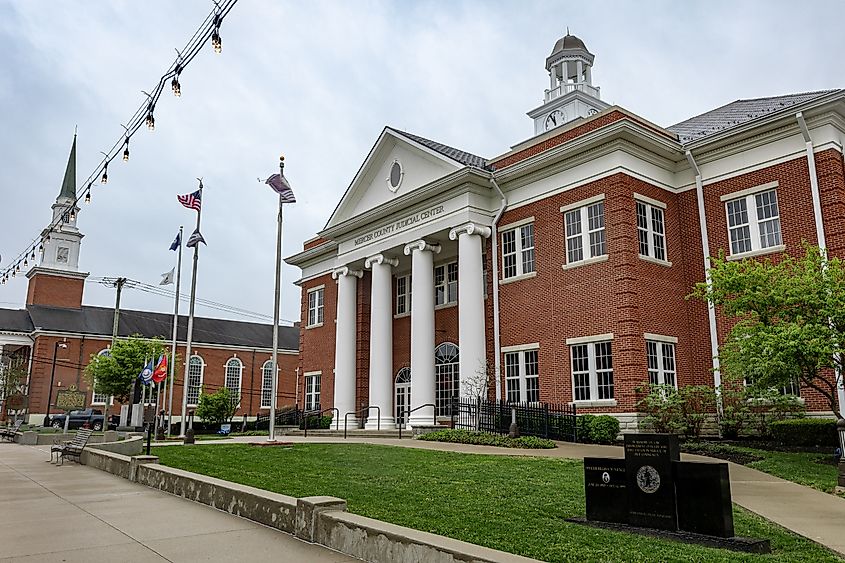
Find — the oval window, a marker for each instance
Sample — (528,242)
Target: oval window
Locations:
(395,175)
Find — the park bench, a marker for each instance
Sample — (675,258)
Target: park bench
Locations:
(72,448)
(9,433)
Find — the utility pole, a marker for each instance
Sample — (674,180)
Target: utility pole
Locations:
(118,283)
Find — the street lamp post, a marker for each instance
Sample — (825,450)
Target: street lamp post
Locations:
(840,427)
(52,377)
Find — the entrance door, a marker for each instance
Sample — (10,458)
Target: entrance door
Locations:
(403,394)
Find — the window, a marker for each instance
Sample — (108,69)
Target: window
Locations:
(312,391)
(585,237)
(403,394)
(522,376)
(445,377)
(592,371)
(267,384)
(446,284)
(99,398)
(234,369)
(403,295)
(651,230)
(518,251)
(315,306)
(661,363)
(196,367)
(753,222)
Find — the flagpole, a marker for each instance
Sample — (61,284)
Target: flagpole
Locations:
(190,324)
(175,331)
(277,299)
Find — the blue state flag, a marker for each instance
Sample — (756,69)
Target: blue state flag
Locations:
(177,241)
(146,375)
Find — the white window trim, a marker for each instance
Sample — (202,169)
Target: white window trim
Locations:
(582,206)
(308,308)
(749,191)
(518,250)
(305,394)
(202,378)
(649,201)
(593,371)
(522,376)
(445,266)
(582,203)
(660,338)
(240,377)
(650,233)
(261,397)
(587,339)
(407,277)
(661,373)
(103,352)
(753,221)
(586,261)
(515,224)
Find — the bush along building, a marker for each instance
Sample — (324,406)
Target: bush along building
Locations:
(559,270)
(56,324)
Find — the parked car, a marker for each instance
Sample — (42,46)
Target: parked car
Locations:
(92,417)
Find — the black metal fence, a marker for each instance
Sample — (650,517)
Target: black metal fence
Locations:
(546,420)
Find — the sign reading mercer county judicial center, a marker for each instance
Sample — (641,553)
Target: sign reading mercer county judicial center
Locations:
(400,225)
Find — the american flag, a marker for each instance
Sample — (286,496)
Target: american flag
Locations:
(280,184)
(191,201)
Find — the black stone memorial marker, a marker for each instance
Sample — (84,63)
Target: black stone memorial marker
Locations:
(651,491)
(604,484)
(704,498)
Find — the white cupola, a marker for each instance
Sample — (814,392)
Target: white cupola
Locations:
(571,94)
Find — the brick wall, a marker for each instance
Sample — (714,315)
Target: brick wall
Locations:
(55,291)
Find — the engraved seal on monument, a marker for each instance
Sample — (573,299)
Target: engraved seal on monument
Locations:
(648,479)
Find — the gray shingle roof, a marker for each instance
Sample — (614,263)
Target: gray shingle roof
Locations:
(736,113)
(465,158)
(98,320)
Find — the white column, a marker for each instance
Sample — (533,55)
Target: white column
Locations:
(381,342)
(472,338)
(345,339)
(580,66)
(552,81)
(588,75)
(422,330)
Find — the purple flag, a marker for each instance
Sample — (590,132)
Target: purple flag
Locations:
(281,186)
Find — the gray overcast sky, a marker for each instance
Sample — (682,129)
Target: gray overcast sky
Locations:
(317,81)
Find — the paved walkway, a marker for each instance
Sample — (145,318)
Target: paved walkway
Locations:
(811,513)
(79,514)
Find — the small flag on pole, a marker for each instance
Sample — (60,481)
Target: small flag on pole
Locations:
(167,277)
(195,239)
(281,185)
(160,372)
(177,241)
(192,200)
(146,374)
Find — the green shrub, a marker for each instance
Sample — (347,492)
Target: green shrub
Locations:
(315,422)
(484,439)
(805,432)
(216,408)
(664,409)
(597,429)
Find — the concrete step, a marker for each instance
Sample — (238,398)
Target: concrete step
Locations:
(332,433)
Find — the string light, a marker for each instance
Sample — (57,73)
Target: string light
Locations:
(73,214)
(105,178)
(33,255)
(88,196)
(143,114)
(25,262)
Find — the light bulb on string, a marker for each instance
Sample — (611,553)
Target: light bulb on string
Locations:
(41,247)
(73,214)
(25,262)
(151,121)
(126,151)
(33,255)
(48,237)
(174,84)
(216,42)
(105,178)
(88,195)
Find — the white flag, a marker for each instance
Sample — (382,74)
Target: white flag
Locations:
(167,277)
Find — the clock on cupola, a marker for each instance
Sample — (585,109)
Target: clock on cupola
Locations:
(571,94)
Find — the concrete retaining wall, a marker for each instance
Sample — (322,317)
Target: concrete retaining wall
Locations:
(30,438)
(321,520)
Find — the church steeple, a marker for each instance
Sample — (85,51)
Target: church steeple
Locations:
(571,94)
(69,182)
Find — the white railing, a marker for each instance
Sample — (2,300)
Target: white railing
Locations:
(568,87)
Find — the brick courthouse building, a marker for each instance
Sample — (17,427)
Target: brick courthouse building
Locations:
(226,353)
(562,264)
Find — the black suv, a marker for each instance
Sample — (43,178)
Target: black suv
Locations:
(92,417)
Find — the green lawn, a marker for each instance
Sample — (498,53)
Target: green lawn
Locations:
(799,467)
(516,504)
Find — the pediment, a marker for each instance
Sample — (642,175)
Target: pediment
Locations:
(372,187)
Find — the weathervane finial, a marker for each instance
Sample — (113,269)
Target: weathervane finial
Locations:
(567,30)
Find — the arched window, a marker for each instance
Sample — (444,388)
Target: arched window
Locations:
(234,370)
(196,367)
(445,377)
(99,398)
(267,384)
(403,394)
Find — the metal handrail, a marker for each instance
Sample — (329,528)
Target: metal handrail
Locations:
(409,411)
(363,409)
(306,414)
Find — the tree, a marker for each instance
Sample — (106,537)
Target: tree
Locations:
(216,408)
(113,373)
(478,383)
(789,319)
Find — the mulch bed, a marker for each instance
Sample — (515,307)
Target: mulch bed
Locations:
(741,458)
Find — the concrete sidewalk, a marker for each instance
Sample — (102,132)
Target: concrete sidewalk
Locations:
(79,514)
(813,514)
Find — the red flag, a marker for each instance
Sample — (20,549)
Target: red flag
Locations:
(160,372)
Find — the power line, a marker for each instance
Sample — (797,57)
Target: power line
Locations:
(209,29)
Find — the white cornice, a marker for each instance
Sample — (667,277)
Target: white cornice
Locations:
(100,337)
